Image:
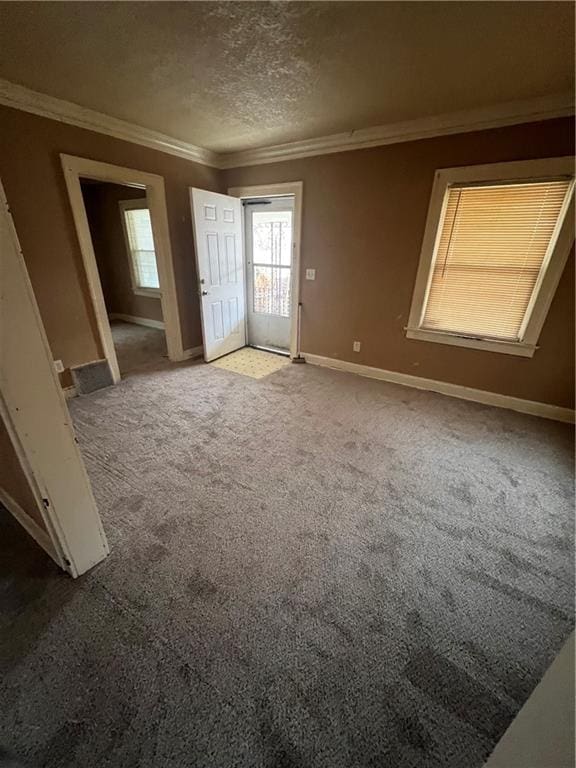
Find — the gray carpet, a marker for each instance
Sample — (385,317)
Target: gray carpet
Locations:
(137,346)
(312,570)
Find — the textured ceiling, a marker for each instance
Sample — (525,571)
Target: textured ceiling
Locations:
(235,75)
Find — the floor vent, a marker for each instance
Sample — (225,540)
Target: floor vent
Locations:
(91,376)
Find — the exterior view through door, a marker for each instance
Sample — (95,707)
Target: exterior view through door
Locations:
(268,224)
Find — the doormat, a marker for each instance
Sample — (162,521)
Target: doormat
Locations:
(252,362)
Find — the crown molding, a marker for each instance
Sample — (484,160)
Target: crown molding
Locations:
(509,113)
(27,100)
(498,116)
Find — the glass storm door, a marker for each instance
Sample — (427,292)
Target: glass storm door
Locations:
(269,253)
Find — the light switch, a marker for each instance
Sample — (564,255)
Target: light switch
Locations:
(58,364)
(356,346)
(310,274)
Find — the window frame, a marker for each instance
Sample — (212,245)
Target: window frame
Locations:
(134,205)
(552,268)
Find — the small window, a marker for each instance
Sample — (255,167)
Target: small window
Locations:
(140,245)
(493,252)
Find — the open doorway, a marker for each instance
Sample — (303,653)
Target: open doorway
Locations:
(121,230)
(148,187)
(248,267)
(272,225)
(269,248)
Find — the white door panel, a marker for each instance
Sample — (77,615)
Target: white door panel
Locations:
(219,261)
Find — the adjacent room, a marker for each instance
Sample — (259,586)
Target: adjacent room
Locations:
(287,384)
(122,239)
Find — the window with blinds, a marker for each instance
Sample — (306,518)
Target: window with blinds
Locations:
(493,244)
(141,245)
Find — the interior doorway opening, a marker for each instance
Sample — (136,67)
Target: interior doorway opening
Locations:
(121,230)
(150,187)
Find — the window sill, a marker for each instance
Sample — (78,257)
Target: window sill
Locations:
(519,348)
(151,293)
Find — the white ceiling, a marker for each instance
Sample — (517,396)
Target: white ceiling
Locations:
(235,75)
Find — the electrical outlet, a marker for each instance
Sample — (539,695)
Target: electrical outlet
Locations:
(58,364)
(310,274)
(356,346)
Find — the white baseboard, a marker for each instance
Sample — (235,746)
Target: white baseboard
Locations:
(39,535)
(193,352)
(137,320)
(70,392)
(531,407)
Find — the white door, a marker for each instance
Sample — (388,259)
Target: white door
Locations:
(220,266)
(269,230)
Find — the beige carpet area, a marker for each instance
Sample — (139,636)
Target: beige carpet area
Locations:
(308,570)
(137,346)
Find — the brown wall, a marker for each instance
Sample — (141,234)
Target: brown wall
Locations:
(32,175)
(364,214)
(104,218)
(13,480)
(363,221)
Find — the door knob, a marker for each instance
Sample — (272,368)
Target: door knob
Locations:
(204,293)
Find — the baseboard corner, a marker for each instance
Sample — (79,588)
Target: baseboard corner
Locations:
(70,392)
(158,324)
(193,352)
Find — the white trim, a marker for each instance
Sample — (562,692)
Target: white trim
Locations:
(149,293)
(37,419)
(295,188)
(497,116)
(138,321)
(70,392)
(552,268)
(545,410)
(518,348)
(193,352)
(76,168)
(30,525)
(27,100)
(135,205)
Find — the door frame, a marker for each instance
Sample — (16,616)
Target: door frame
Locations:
(77,168)
(34,411)
(295,188)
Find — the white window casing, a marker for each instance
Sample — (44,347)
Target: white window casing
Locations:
(496,241)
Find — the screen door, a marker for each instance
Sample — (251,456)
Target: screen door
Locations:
(269,228)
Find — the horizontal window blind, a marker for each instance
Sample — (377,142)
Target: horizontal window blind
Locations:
(139,229)
(492,246)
